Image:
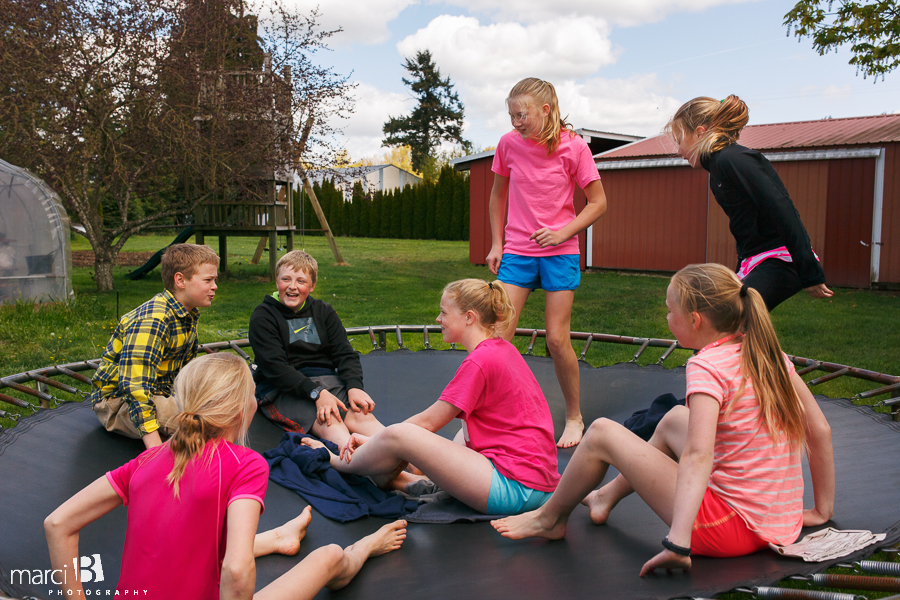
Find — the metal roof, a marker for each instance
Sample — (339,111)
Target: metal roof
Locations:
(776,136)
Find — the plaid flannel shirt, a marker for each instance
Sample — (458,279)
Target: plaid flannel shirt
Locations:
(147,349)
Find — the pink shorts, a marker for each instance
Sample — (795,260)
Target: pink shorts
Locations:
(719,531)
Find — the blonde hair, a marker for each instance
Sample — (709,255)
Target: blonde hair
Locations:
(185,259)
(716,293)
(216,392)
(537,91)
(489,301)
(723,121)
(299,260)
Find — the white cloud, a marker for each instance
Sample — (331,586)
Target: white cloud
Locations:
(362,21)
(627,13)
(362,131)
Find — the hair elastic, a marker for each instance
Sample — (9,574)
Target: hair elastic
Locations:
(491,285)
(744,290)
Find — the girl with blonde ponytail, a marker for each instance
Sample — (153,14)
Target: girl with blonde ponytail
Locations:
(503,460)
(774,252)
(194,505)
(534,244)
(724,472)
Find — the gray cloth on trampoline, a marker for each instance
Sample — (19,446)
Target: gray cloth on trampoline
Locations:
(441,507)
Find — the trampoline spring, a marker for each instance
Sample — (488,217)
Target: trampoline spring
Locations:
(587,344)
(27,390)
(425,337)
(891,402)
(878,392)
(815,365)
(640,350)
(878,567)
(73,374)
(372,339)
(789,594)
(11,416)
(530,351)
(92,364)
(828,377)
(856,582)
(399,338)
(53,383)
(17,402)
(666,354)
(233,345)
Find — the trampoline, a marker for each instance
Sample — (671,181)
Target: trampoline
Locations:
(53,453)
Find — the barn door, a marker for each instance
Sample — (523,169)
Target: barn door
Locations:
(848,227)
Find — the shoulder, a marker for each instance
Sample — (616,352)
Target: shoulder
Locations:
(736,156)
(265,309)
(493,351)
(320,307)
(570,139)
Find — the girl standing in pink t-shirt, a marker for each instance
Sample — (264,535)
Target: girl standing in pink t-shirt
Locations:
(534,243)
(503,460)
(194,505)
(724,472)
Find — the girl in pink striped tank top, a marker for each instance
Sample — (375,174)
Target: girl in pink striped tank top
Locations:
(723,472)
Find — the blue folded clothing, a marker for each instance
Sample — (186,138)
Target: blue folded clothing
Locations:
(338,496)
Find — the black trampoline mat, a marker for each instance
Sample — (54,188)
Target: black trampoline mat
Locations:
(51,455)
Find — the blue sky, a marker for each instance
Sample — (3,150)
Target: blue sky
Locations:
(619,66)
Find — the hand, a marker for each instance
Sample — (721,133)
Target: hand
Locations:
(667,560)
(812,517)
(328,407)
(360,401)
(547,237)
(493,259)
(356,440)
(819,291)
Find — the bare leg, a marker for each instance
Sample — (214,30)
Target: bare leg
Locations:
(339,432)
(285,539)
(651,472)
(669,437)
(332,567)
(558,319)
(518,296)
(463,473)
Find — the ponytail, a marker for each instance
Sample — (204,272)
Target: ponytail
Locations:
(723,120)
(730,306)
(216,392)
(489,301)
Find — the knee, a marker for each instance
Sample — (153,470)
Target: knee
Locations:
(558,343)
(674,418)
(396,434)
(332,557)
(597,432)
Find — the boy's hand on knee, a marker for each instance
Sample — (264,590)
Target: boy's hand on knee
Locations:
(356,440)
(360,401)
(328,408)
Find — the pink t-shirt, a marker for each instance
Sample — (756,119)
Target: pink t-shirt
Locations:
(506,414)
(757,476)
(174,548)
(541,188)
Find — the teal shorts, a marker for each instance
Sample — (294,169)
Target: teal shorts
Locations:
(550,273)
(509,497)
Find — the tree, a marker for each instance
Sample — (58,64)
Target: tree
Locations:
(438,116)
(140,110)
(873,29)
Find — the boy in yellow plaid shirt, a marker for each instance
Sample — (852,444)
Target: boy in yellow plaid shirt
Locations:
(132,387)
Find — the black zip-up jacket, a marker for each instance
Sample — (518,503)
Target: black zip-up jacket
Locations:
(760,212)
(285,342)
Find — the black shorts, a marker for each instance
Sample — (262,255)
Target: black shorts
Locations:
(775,280)
(292,413)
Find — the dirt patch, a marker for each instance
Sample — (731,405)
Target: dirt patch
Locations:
(85,258)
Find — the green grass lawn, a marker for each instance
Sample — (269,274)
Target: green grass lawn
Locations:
(393,282)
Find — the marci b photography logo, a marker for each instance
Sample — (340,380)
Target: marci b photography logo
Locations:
(88,569)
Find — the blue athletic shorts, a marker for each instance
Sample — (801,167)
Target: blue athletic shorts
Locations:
(551,273)
(509,497)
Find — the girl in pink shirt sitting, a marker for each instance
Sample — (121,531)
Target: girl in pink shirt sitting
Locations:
(503,460)
(535,244)
(194,505)
(724,472)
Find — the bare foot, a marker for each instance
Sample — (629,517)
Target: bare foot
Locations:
(312,443)
(529,524)
(388,538)
(572,433)
(598,506)
(292,533)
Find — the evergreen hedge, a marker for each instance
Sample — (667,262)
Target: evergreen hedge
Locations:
(432,210)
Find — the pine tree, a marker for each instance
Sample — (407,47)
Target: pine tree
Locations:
(438,116)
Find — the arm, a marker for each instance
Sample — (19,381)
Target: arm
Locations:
(239,566)
(346,361)
(497,212)
(694,469)
(435,416)
(64,524)
(596,206)
(820,453)
(143,345)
